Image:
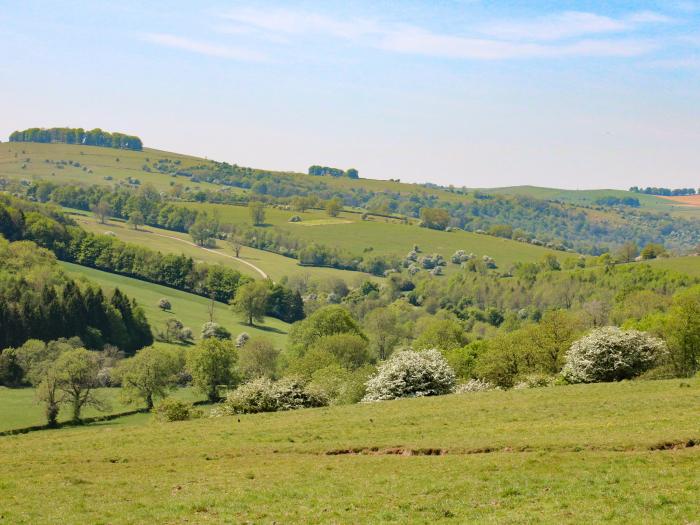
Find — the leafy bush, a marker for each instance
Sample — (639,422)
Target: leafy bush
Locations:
(210,329)
(535,381)
(164,304)
(176,410)
(411,374)
(264,395)
(612,354)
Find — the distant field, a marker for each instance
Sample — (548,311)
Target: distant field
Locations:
(20,409)
(276,266)
(579,454)
(188,308)
(689,265)
(27,160)
(687,200)
(385,237)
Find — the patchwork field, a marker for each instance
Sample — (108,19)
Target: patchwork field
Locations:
(166,241)
(190,309)
(385,237)
(687,200)
(620,453)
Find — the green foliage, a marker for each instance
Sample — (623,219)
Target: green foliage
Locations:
(434,218)
(326,321)
(171,409)
(76,376)
(258,358)
(95,137)
(264,395)
(257,213)
(251,301)
(212,364)
(149,375)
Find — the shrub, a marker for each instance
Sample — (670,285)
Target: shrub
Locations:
(535,381)
(475,385)
(210,329)
(164,304)
(176,410)
(295,218)
(242,339)
(612,354)
(411,374)
(264,395)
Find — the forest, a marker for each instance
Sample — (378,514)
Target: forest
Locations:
(93,137)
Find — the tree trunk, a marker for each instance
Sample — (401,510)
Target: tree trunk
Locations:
(149,402)
(52,414)
(76,410)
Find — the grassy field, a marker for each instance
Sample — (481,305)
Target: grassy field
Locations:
(28,161)
(21,410)
(190,309)
(276,266)
(385,237)
(578,454)
(689,265)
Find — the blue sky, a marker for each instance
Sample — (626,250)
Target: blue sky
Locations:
(473,93)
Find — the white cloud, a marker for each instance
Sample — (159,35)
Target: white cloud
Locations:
(204,48)
(570,24)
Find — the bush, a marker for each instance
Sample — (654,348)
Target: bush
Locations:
(535,381)
(411,374)
(612,354)
(475,385)
(164,304)
(210,329)
(242,339)
(175,410)
(264,395)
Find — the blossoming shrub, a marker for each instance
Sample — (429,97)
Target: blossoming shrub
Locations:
(475,385)
(612,354)
(264,395)
(411,374)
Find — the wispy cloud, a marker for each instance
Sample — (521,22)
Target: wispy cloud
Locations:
(537,38)
(570,24)
(204,48)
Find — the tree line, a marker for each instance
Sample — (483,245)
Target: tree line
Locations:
(93,137)
(666,192)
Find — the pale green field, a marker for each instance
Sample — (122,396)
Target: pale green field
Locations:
(20,408)
(578,454)
(166,241)
(384,236)
(689,265)
(102,161)
(190,309)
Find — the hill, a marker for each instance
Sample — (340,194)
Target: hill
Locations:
(574,454)
(190,309)
(550,215)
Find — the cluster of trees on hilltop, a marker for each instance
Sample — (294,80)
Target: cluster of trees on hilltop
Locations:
(617,201)
(38,301)
(321,171)
(93,137)
(665,192)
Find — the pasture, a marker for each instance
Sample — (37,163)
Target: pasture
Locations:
(620,453)
(192,310)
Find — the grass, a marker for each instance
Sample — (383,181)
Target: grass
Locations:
(165,241)
(383,236)
(190,309)
(689,265)
(20,409)
(577,454)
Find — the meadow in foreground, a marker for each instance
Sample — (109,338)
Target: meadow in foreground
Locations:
(589,453)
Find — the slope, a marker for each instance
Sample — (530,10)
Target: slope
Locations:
(577,454)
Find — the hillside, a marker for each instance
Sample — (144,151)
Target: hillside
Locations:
(566,454)
(190,309)
(551,215)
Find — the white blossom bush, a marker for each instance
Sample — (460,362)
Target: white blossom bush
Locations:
(411,374)
(264,395)
(242,339)
(612,354)
(475,385)
(211,329)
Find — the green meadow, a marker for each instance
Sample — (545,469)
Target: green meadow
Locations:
(617,453)
(384,236)
(192,310)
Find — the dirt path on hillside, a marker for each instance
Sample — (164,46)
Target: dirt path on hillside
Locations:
(259,270)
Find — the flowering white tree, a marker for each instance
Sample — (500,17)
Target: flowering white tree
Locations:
(411,374)
(612,354)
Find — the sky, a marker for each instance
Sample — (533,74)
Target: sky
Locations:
(476,93)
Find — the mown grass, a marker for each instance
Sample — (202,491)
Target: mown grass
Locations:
(385,237)
(579,454)
(20,408)
(190,309)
